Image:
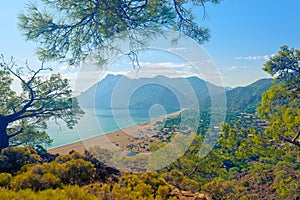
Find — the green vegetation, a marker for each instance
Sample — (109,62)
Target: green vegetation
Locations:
(255,157)
(77,176)
(247,99)
(72,30)
(280,104)
(41,98)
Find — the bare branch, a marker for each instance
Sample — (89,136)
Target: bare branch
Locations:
(296,137)
(15,133)
(294,142)
(26,84)
(194,169)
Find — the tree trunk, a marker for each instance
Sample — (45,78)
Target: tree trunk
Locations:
(3,137)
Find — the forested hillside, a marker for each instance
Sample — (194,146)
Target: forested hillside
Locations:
(169,91)
(246,149)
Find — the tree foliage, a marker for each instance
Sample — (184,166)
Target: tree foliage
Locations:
(12,159)
(280,104)
(71,30)
(42,97)
(285,66)
(32,137)
(39,179)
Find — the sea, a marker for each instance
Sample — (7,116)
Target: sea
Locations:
(97,122)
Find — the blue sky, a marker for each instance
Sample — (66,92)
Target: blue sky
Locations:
(245,33)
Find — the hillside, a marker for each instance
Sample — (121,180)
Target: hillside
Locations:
(122,92)
(247,98)
(118,91)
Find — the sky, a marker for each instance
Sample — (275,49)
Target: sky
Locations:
(244,35)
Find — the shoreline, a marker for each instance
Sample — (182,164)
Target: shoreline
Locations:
(118,139)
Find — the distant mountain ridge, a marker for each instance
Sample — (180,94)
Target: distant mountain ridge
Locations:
(118,91)
(249,97)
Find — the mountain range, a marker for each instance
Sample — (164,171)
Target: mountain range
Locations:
(119,91)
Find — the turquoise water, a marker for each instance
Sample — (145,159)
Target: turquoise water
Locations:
(99,122)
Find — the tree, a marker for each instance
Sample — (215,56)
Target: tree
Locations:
(32,137)
(285,66)
(71,30)
(131,147)
(280,104)
(41,98)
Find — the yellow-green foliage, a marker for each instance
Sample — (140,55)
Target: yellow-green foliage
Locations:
(79,172)
(101,191)
(53,175)
(286,183)
(68,157)
(48,181)
(153,179)
(163,191)
(130,162)
(5,179)
(154,146)
(13,158)
(189,184)
(175,177)
(146,186)
(221,189)
(67,193)
(39,177)
(178,179)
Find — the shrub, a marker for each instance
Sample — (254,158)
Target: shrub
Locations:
(153,179)
(13,158)
(163,191)
(53,175)
(5,179)
(148,185)
(35,181)
(100,191)
(67,193)
(77,193)
(220,189)
(73,156)
(189,184)
(79,172)
(174,177)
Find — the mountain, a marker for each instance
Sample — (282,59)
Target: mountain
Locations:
(118,91)
(247,98)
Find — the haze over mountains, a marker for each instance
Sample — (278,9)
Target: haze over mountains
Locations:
(119,91)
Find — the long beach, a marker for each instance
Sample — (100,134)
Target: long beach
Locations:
(116,139)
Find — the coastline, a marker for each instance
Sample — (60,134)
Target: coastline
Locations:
(118,139)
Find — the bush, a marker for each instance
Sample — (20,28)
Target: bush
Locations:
(35,181)
(148,185)
(5,179)
(77,193)
(13,158)
(189,184)
(220,189)
(100,191)
(79,172)
(174,177)
(163,191)
(67,193)
(73,156)
(153,179)
(53,175)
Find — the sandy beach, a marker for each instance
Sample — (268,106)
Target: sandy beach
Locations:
(139,133)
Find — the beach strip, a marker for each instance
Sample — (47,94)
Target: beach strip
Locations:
(114,140)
